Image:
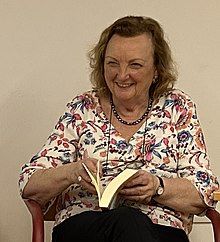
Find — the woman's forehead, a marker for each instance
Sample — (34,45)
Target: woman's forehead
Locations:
(137,47)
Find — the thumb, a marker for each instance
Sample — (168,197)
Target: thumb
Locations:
(85,154)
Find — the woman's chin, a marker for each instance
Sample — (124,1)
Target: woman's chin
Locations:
(123,93)
(123,96)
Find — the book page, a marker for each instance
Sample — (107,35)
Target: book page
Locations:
(98,179)
(95,182)
(114,186)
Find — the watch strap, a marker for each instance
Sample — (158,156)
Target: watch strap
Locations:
(160,188)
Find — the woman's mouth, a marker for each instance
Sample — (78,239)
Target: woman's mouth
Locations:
(124,85)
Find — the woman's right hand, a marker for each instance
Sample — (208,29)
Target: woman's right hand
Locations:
(80,176)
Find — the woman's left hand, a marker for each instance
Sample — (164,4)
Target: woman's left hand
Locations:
(141,187)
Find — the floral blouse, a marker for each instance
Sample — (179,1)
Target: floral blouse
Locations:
(169,144)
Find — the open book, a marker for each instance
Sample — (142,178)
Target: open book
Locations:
(107,196)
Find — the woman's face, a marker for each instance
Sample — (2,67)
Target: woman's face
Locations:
(129,67)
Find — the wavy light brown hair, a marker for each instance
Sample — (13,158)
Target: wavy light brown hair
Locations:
(131,26)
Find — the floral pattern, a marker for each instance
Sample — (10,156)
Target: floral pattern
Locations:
(174,147)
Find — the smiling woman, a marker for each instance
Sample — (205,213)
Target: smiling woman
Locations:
(132,28)
(133,118)
(129,69)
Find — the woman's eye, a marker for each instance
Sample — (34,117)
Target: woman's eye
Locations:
(136,65)
(112,63)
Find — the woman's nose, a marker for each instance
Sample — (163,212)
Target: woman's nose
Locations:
(123,73)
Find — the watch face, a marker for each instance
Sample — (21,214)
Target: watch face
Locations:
(160,190)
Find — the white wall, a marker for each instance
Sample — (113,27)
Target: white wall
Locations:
(43,65)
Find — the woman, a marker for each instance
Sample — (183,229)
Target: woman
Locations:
(132,118)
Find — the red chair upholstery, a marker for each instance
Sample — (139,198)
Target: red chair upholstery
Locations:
(38,220)
(214,216)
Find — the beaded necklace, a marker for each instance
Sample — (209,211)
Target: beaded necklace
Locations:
(136,121)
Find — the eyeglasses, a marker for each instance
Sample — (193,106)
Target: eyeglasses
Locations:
(109,169)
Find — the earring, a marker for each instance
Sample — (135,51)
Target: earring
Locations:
(155,79)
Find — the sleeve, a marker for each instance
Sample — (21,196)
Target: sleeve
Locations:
(60,147)
(193,160)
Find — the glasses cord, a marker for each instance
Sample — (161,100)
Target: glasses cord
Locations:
(108,141)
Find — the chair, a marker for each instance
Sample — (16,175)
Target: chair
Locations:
(38,219)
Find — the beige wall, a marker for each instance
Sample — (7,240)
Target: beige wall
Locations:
(43,65)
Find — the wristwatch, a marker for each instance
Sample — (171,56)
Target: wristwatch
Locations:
(160,189)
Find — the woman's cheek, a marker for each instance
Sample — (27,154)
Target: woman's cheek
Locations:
(109,76)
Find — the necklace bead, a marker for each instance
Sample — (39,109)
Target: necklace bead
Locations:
(136,121)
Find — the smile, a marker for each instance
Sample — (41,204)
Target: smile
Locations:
(124,85)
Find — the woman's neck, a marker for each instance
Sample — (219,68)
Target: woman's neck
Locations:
(131,108)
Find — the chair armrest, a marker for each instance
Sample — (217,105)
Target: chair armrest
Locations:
(214,216)
(37,220)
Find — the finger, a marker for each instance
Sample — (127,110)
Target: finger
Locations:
(100,169)
(86,157)
(91,163)
(85,154)
(88,186)
(82,174)
(134,191)
(142,178)
(85,176)
(137,181)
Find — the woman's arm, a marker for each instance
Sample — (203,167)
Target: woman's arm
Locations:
(57,165)
(46,184)
(179,193)
(190,190)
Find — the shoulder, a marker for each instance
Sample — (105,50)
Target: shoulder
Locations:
(176,94)
(176,97)
(84,101)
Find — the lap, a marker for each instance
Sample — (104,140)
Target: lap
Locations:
(117,225)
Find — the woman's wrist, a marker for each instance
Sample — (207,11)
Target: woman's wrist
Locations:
(71,173)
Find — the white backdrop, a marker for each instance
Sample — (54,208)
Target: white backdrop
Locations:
(43,64)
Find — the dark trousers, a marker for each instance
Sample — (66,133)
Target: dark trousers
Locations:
(123,224)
